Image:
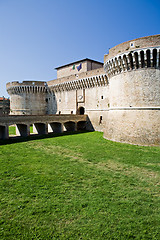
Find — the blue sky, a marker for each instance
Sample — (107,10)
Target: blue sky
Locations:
(38,35)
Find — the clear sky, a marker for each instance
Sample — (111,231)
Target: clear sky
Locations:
(38,35)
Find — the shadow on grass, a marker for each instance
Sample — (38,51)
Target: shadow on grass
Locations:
(17,139)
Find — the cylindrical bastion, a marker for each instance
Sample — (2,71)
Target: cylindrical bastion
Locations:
(133,69)
(28,97)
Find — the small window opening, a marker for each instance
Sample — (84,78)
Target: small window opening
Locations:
(101,97)
(81,110)
(59,112)
(59,100)
(71,112)
(100,119)
(46,99)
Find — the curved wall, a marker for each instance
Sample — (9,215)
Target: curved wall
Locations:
(123,99)
(28,97)
(134,92)
(140,88)
(134,126)
(138,43)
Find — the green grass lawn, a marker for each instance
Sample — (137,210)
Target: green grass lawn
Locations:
(12,130)
(79,187)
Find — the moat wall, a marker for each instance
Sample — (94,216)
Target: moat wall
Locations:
(133,126)
(135,88)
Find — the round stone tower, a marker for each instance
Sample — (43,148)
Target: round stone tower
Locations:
(28,97)
(133,69)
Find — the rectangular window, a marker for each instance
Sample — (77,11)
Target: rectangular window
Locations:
(100,119)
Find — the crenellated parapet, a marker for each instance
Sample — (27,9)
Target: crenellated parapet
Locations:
(89,82)
(27,87)
(133,60)
(29,97)
(133,69)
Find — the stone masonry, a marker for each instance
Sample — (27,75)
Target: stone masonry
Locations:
(121,97)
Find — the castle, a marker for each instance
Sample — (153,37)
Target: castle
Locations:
(121,97)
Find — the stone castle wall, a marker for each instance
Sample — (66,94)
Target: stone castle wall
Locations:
(144,42)
(133,69)
(140,88)
(77,76)
(133,126)
(122,99)
(134,114)
(28,97)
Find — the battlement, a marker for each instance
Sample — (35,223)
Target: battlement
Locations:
(121,97)
(95,72)
(27,86)
(138,43)
(24,83)
(132,60)
(88,82)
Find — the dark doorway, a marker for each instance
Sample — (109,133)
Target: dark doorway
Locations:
(81,110)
